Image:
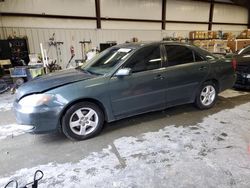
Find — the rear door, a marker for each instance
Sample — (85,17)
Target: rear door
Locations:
(186,70)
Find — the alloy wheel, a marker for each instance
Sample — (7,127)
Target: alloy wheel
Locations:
(83,121)
(208,95)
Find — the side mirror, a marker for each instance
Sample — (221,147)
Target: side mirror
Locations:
(123,72)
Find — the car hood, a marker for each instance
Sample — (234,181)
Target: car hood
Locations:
(51,81)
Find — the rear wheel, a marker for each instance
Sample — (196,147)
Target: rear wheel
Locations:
(206,96)
(82,121)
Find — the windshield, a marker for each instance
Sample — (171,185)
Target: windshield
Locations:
(106,61)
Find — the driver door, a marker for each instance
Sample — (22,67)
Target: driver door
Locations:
(144,89)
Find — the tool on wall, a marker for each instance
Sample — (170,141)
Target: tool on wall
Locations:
(50,64)
(72,52)
(85,47)
(57,45)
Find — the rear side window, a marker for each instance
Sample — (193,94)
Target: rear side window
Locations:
(177,55)
(147,58)
(206,54)
(197,57)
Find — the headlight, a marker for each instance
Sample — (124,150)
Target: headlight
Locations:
(35,100)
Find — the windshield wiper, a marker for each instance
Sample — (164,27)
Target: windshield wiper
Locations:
(82,70)
(93,72)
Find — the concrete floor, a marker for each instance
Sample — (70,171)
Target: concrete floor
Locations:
(178,147)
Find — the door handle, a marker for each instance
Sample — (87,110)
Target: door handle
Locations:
(159,77)
(203,68)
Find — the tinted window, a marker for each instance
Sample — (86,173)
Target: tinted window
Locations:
(197,57)
(177,55)
(145,59)
(206,54)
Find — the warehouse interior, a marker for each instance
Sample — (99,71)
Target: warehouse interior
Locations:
(146,21)
(178,146)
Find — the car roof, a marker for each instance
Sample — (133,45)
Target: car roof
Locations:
(137,45)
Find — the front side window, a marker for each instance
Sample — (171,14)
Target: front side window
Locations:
(147,58)
(177,55)
(106,61)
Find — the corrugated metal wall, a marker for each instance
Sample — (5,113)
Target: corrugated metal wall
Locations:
(74,36)
(59,7)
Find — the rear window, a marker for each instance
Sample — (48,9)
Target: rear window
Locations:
(206,54)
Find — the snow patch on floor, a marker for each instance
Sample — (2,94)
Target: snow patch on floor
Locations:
(12,130)
(213,153)
(233,93)
(97,167)
(6,101)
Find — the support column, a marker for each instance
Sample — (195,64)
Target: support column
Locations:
(163,15)
(211,15)
(98,14)
(248,17)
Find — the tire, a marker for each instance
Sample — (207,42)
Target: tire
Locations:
(82,121)
(206,96)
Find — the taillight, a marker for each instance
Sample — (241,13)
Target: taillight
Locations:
(234,64)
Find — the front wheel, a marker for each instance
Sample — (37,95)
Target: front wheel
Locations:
(206,96)
(82,121)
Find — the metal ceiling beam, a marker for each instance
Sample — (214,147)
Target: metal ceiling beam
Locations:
(130,20)
(220,2)
(241,2)
(110,18)
(47,16)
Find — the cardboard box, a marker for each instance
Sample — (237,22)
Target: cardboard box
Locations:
(203,35)
(245,34)
(238,44)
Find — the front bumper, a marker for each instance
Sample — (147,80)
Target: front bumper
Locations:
(42,119)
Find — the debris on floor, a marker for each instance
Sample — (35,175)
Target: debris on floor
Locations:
(12,130)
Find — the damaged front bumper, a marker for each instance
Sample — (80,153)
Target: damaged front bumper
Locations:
(41,119)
